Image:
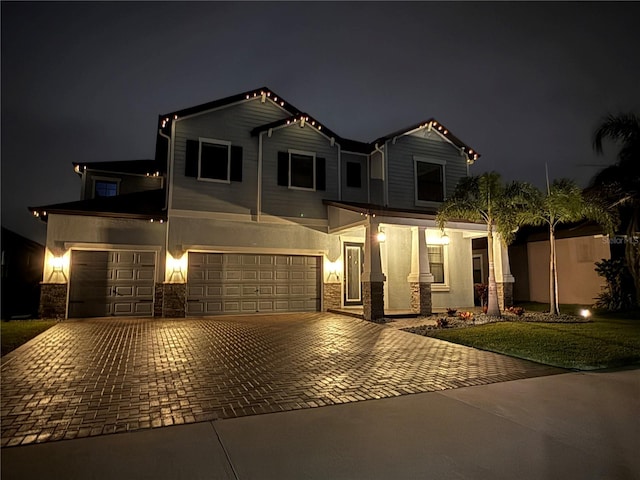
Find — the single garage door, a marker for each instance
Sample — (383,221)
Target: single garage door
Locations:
(220,283)
(105,283)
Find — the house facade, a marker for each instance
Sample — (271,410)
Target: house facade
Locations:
(252,205)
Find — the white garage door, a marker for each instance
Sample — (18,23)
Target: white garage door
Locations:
(105,283)
(244,283)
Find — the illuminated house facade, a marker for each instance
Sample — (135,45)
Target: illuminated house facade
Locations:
(252,205)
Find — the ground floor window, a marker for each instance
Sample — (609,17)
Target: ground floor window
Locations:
(436,262)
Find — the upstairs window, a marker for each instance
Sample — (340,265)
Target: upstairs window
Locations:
(215,160)
(212,160)
(105,188)
(354,175)
(301,170)
(429,180)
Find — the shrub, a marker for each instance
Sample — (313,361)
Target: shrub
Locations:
(519,311)
(466,315)
(618,294)
(442,323)
(451,312)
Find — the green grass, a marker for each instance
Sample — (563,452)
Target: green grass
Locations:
(607,341)
(17,332)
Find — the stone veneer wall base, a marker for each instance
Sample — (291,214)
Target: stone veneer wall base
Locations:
(373,301)
(170,300)
(505,294)
(53,300)
(331,296)
(421,298)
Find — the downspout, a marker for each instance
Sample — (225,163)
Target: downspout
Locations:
(167,201)
(259,193)
(384,174)
(339,172)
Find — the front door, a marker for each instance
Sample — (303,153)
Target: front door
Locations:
(353,265)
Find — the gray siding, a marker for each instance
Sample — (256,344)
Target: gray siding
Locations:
(232,124)
(283,201)
(128,183)
(350,194)
(401,170)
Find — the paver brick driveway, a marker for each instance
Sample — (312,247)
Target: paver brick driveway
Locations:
(97,376)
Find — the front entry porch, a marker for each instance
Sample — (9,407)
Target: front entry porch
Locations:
(398,263)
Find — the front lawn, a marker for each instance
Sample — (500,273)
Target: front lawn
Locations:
(605,342)
(16,332)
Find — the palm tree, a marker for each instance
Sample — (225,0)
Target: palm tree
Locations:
(619,184)
(564,202)
(485,199)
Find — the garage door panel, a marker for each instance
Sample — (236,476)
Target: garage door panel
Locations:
(241,283)
(104,283)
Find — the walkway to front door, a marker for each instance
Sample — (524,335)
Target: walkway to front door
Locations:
(97,376)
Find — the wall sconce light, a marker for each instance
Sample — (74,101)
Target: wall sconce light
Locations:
(381,236)
(444,239)
(333,269)
(176,266)
(57,263)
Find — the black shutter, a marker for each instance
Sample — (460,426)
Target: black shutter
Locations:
(283,169)
(191,158)
(321,176)
(236,163)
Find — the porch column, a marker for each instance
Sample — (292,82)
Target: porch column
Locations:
(420,278)
(372,278)
(504,279)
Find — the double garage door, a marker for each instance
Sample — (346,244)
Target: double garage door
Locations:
(220,283)
(106,283)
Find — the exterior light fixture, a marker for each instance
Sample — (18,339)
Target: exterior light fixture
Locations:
(57,264)
(585,313)
(381,236)
(444,239)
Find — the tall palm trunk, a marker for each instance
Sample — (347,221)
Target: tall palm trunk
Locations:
(493,308)
(553,275)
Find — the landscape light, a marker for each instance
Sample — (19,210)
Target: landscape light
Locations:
(585,313)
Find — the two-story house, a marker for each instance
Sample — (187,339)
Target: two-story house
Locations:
(252,205)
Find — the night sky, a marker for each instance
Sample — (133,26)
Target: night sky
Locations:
(523,83)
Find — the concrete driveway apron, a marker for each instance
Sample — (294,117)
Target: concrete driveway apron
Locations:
(99,376)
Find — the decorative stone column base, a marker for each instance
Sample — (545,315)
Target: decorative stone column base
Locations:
(505,294)
(331,296)
(53,300)
(421,298)
(170,300)
(373,301)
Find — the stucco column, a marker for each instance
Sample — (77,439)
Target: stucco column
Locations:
(420,278)
(504,278)
(372,278)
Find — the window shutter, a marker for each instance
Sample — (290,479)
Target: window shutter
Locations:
(191,158)
(283,169)
(321,176)
(236,163)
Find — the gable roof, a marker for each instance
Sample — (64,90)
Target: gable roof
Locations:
(431,125)
(141,167)
(297,115)
(146,205)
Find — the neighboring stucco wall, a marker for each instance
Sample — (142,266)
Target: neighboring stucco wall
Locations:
(578,283)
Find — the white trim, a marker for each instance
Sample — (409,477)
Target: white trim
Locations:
(222,107)
(213,141)
(247,217)
(432,161)
(259,180)
(446,285)
(306,154)
(253,250)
